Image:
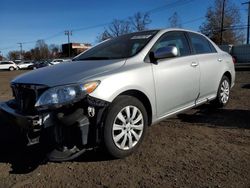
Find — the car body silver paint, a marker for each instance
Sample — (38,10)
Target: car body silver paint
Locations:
(173,85)
(68,72)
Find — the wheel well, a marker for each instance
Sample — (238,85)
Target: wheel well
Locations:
(228,75)
(144,99)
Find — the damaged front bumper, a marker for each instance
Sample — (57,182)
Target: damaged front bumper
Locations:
(71,129)
(17,118)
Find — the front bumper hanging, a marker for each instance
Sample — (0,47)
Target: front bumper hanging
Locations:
(79,123)
(17,118)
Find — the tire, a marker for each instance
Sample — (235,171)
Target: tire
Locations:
(11,68)
(223,93)
(122,135)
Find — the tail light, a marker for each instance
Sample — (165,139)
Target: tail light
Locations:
(234,60)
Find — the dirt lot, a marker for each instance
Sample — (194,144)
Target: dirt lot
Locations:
(200,148)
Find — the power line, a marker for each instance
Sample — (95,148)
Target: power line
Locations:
(21,49)
(169,5)
(7,48)
(68,33)
(222,22)
(47,38)
(193,20)
(151,11)
(91,27)
(232,27)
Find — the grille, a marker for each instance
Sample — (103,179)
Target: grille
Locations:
(26,97)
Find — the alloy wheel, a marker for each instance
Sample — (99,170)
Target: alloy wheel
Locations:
(127,127)
(224,91)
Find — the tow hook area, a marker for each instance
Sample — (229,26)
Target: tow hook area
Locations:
(69,142)
(33,135)
(67,130)
(91,111)
(76,119)
(65,154)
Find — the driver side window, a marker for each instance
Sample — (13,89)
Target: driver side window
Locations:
(176,39)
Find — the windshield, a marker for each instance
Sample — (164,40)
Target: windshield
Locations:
(120,47)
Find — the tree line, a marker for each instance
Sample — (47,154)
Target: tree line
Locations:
(211,27)
(41,51)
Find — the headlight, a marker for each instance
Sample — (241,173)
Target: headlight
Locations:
(60,95)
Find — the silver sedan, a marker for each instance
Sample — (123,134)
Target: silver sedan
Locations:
(108,95)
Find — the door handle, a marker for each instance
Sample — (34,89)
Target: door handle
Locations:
(220,60)
(194,64)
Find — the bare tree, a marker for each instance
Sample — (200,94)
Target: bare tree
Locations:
(54,50)
(27,55)
(212,25)
(104,36)
(115,29)
(35,53)
(174,21)
(140,21)
(42,50)
(119,27)
(13,55)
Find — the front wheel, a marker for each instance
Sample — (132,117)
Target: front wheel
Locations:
(11,68)
(125,126)
(223,92)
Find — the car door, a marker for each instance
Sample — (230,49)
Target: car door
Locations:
(210,65)
(176,79)
(5,65)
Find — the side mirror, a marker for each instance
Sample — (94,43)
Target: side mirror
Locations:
(166,52)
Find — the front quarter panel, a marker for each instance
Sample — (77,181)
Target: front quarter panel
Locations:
(132,76)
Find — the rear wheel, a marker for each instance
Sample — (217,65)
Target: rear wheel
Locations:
(223,92)
(125,126)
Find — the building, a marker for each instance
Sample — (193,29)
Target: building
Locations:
(73,49)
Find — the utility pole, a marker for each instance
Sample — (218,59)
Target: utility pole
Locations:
(248,20)
(68,33)
(21,49)
(222,22)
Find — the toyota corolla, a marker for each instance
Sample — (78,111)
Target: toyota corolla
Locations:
(111,93)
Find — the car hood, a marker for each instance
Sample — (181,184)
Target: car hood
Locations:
(68,72)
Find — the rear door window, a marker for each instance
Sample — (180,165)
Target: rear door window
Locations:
(200,44)
(6,63)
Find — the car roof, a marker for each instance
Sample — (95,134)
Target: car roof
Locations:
(163,30)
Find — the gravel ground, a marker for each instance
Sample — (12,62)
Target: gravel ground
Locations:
(202,147)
